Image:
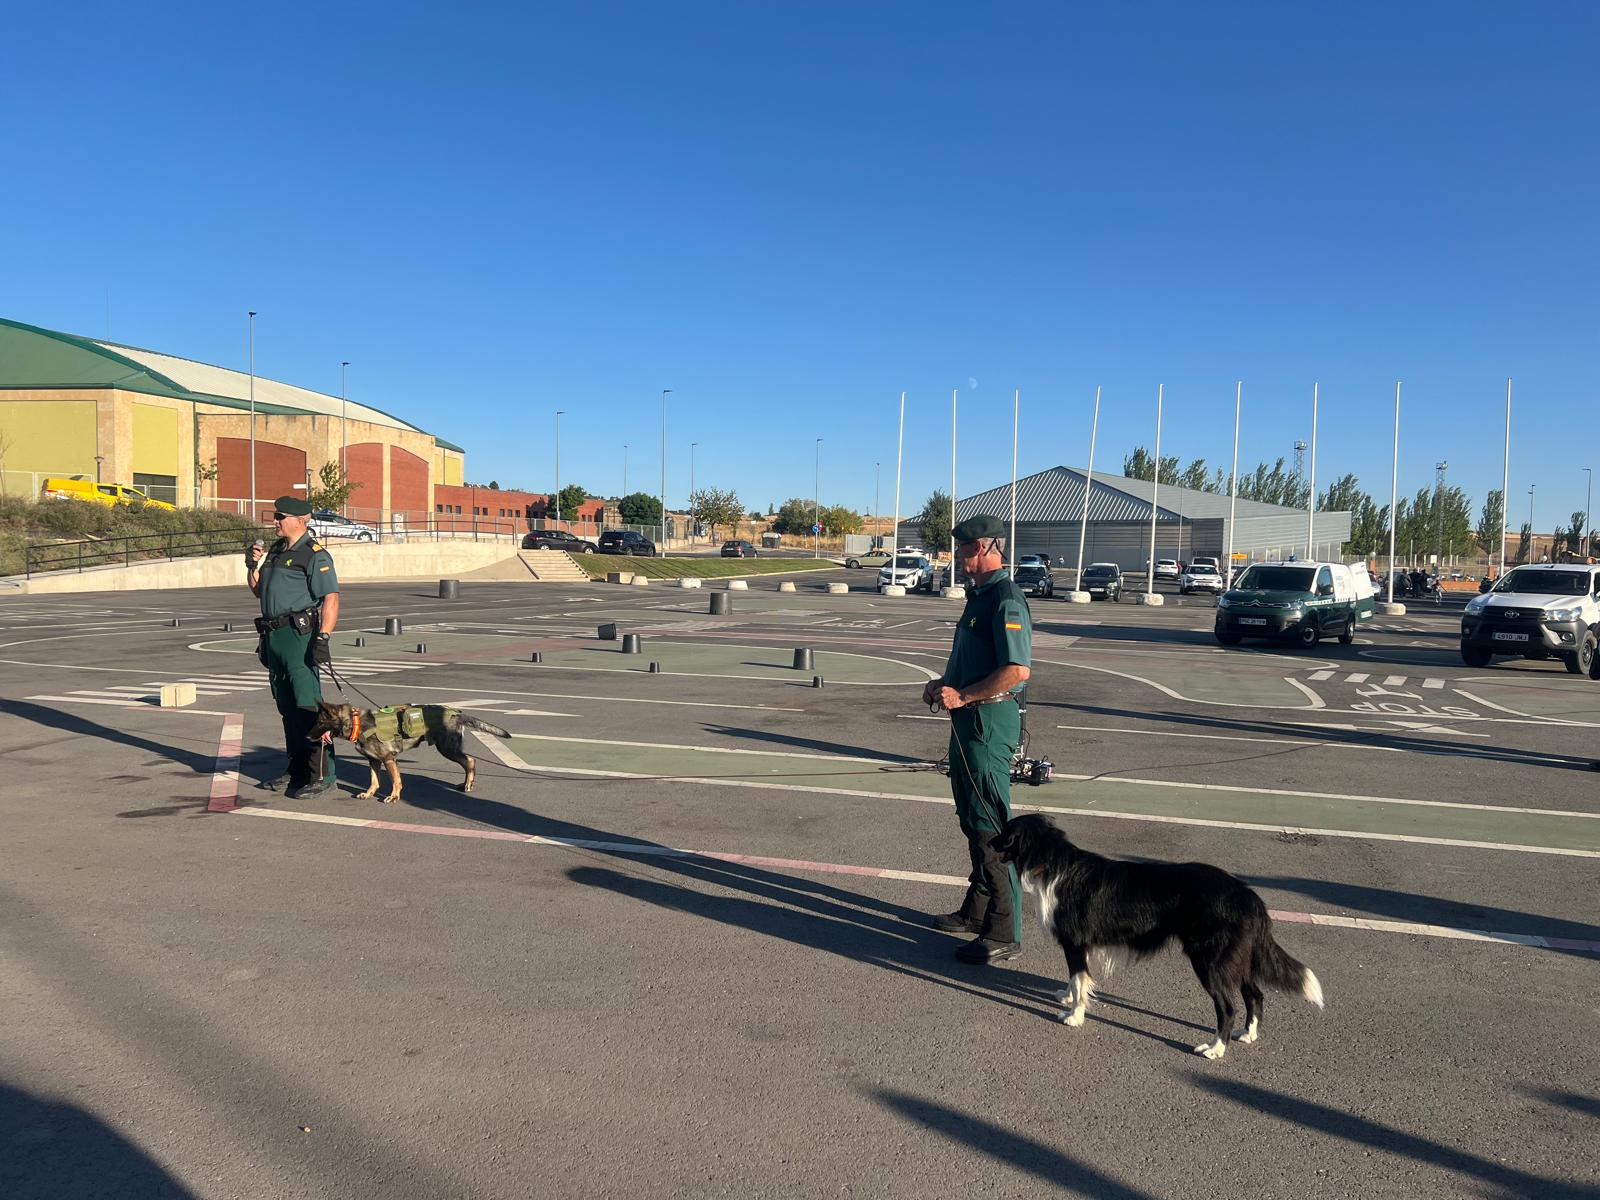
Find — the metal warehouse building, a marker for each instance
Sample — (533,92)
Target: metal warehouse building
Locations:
(1050,510)
(180,429)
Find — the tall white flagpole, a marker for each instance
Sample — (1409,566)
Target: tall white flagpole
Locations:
(1088,485)
(1505,484)
(1011,545)
(1394,489)
(1233,487)
(1155,493)
(899,459)
(953,393)
(254,515)
(1311,496)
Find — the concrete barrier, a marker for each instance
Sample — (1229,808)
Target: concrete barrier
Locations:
(893,589)
(1153,599)
(838,589)
(1079,598)
(953,593)
(640,580)
(177,695)
(688,581)
(786,586)
(1391,610)
(738,585)
(619,576)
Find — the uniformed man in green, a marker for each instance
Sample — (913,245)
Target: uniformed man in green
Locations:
(989,663)
(299,592)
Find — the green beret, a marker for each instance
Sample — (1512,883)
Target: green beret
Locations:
(292,506)
(976,528)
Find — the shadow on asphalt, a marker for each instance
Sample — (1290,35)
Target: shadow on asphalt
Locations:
(200,762)
(1163,634)
(1482,1172)
(786,739)
(1061,1171)
(51,1148)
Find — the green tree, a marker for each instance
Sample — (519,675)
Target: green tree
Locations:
(795,517)
(333,489)
(494,485)
(1572,536)
(838,520)
(1273,485)
(1491,522)
(716,507)
(1141,465)
(935,519)
(640,508)
(1524,542)
(1195,476)
(571,497)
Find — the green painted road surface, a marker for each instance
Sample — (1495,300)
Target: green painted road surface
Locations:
(725,661)
(1154,800)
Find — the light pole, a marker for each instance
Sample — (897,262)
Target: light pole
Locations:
(1439,469)
(1588,495)
(1311,493)
(1088,485)
(899,463)
(1505,484)
(1394,492)
(559,411)
(1155,493)
(1531,486)
(252,508)
(877,479)
(694,508)
(624,468)
(665,392)
(816,506)
(1233,484)
(344,432)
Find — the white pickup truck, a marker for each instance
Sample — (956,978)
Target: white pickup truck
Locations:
(1542,610)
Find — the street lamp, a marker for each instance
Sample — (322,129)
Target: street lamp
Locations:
(559,411)
(665,392)
(1588,495)
(877,481)
(252,509)
(344,431)
(1531,486)
(624,468)
(1438,503)
(694,508)
(816,505)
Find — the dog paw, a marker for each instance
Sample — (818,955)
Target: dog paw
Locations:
(365,795)
(1073,1018)
(1250,1034)
(1064,997)
(385,799)
(1212,1050)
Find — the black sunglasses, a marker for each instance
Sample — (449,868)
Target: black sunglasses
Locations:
(280,516)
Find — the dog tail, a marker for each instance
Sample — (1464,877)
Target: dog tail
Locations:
(472,722)
(1274,967)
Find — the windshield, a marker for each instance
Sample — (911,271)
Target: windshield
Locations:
(1202,570)
(905,562)
(1261,578)
(1030,571)
(1549,583)
(1099,572)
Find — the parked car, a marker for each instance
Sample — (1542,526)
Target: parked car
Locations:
(1031,560)
(1034,579)
(109,494)
(1103,581)
(1200,577)
(914,572)
(327,525)
(1208,560)
(1542,610)
(557,539)
(737,548)
(1298,600)
(626,541)
(1167,568)
(872,558)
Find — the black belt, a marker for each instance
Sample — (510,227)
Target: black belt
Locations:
(265,625)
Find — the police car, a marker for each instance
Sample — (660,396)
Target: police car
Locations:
(1301,601)
(326,525)
(1542,610)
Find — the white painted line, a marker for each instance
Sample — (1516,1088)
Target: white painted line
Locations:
(609,699)
(547,737)
(1316,700)
(1394,681)
(1358,677)
(89,700)
(1228,737)
(1527,716)
(1433,683)
(1319,676)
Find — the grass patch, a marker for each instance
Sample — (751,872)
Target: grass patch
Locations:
(599,565)
(52,529)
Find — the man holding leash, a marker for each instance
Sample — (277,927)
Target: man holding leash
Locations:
(299,592)
(989,663)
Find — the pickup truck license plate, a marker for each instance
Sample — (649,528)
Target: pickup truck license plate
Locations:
(1510,637)
(1252,620)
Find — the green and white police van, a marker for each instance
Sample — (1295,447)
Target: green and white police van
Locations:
(1303,602)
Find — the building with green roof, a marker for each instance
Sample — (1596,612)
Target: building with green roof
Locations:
(181,430)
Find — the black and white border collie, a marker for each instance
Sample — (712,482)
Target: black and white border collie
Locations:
(1088,902)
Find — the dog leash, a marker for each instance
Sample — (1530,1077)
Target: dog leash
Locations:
(339,683)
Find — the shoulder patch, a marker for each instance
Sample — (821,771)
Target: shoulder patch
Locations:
(1009,624)
(315,546)
(325,568)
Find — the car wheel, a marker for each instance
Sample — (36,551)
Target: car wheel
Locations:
(853,563)
(1349,634)
(1475,656)
(1116,597)
(1572,663)
(1308,635)
(365,537)
(1227,638)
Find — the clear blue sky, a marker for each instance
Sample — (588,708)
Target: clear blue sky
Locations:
(789,213)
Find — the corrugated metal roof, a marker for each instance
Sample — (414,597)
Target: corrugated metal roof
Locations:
(1057,495)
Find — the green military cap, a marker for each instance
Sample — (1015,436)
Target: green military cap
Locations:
(292,506)
(976,528)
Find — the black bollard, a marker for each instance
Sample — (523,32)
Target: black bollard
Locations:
(816,681)
(422,647)
(391,626)
(802,659)
(608,632)
(535,657)
(174,622)
(630,643)
(361,641)
(449,589)
(655,668)
(721,604)
(227,627)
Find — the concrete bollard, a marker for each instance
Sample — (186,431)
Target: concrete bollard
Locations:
(816,681)
(449,589)
(640,580)
(838,589)
(894,589)
(953,593)
(802,659)
(630,643)
(1391,610)
(422,647)
(174,622)
(608,632)
(786,586)
(1153,599)
(655,668)
(688,581)
(738,585)
(391,626)
(619,576)
(721,604)
(227,627)
(177,695)
(1079,598)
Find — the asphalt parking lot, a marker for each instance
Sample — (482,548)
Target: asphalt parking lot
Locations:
(675,942)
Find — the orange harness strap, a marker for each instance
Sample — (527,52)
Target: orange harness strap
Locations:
(355,723)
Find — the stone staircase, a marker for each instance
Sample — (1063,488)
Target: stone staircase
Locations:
(552,566)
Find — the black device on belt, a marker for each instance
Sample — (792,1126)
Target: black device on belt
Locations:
(304,621)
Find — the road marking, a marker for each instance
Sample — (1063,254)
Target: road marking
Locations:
(1526,716)
(1316,700)
(886,762)
(1319,676)
(1433,683)
(225,775)
(1358,677)
(1394,681)
(656,850)
(1228,737)
(613,699)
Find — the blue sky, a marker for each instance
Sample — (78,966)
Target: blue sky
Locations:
(789,213)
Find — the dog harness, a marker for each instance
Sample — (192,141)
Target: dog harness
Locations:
(397,720)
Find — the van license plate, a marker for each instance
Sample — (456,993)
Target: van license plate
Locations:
(1510,637)
(1252,620)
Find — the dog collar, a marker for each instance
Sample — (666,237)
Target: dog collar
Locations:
(355,724)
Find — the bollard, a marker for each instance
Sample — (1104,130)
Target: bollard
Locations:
(721,604)
(630,643)
(787,586)
(391,626)
(816,681)
(422,647)
(802,659)
(361,641)
(449,589)
(174,622)
(535,657)
(608,632)
(227,627)
(655,668)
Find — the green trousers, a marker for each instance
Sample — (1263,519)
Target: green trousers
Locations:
(983,740)
(296,688)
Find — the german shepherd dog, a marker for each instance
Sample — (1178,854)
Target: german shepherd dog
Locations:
(442,729)
(1088,902)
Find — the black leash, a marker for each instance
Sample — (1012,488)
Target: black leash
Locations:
(339,683)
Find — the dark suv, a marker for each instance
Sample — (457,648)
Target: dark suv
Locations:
(556,539)
(626,541)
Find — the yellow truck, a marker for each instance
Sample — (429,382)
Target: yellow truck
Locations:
(109,494)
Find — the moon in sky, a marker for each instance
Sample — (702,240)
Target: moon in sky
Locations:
(971,383)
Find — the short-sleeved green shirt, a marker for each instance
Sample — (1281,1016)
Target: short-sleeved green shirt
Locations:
(296,577)
(995,630)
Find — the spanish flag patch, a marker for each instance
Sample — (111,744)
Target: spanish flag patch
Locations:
(1014,625)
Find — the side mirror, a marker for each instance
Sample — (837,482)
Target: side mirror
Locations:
(1325,590)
